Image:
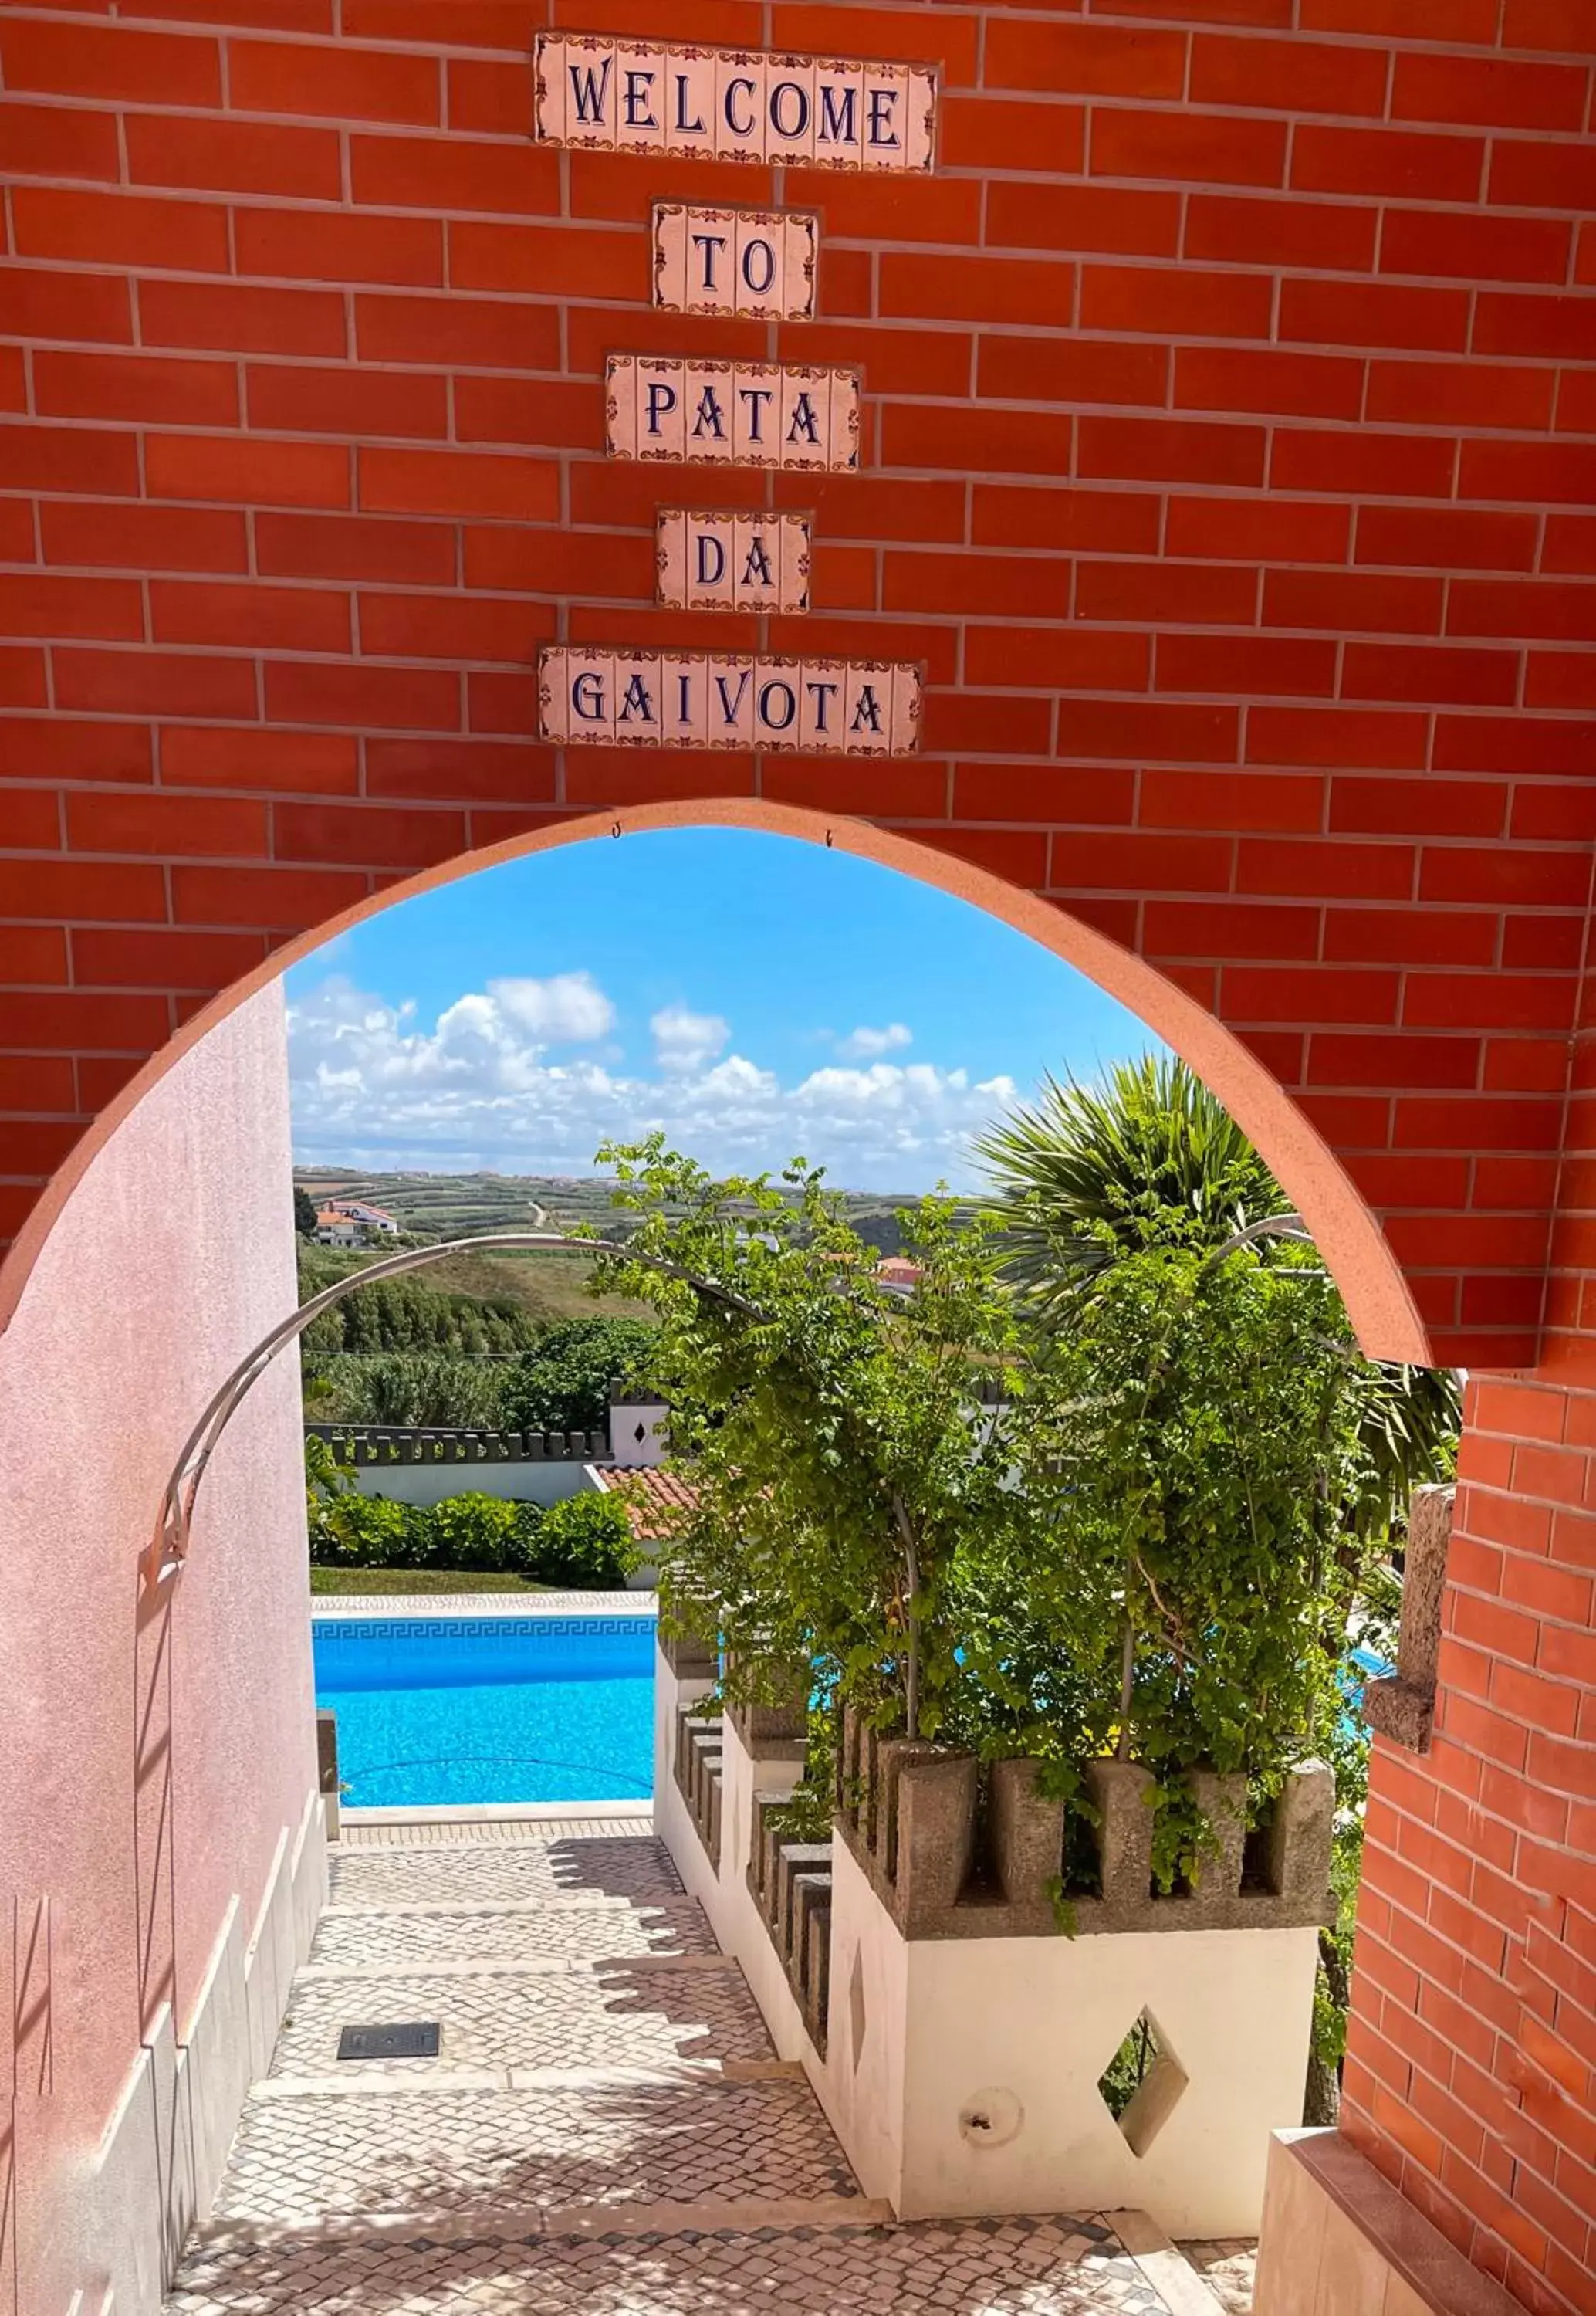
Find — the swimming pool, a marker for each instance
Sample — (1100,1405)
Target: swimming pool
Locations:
(450,1711)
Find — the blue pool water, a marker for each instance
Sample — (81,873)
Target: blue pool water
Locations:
(454,1710)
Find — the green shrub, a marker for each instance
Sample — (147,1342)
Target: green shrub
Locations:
(355,1531)
(585,1540)
(473,1531)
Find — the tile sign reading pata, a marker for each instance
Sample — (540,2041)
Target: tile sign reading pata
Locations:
(685,410)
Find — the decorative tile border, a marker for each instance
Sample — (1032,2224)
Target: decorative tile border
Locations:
(730,104)
(432,1606)
(719,413)
(356,1631)
(703,699)
(716,561)
(749,262)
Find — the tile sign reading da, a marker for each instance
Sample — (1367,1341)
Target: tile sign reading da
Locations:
(684,410)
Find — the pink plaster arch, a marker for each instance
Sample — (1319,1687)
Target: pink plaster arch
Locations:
(1377,1295)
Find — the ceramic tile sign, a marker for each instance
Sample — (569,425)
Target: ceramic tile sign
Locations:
(733,562)
(720,414)
(732,104)
(758,261)
(729,700)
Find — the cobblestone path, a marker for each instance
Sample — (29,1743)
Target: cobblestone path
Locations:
(606,2130)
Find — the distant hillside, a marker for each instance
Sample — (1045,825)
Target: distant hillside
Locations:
(468,1206)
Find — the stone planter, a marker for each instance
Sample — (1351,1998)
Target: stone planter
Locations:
(956,2038)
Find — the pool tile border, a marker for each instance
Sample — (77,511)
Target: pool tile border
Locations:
(454,1607)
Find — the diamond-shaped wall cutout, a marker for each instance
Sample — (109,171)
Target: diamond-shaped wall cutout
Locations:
(1142,2084)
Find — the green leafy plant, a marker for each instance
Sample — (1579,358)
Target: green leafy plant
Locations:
(586,1540)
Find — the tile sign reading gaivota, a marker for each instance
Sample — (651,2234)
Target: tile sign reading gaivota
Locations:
(727,105)
(685,410)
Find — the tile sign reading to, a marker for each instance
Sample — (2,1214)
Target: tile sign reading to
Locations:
(731,699)
(756,262)
(685,410)
(644,96)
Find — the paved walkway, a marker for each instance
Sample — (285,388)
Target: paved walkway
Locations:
(605,2128)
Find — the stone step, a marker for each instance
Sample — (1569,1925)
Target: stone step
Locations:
(591,2144)
(487,1874)
(576,1930)
(622,2013)
(681,2260)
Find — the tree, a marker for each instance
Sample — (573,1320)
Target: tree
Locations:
(831,1431)
(1087,1179)
(304,1212)
(564,1382)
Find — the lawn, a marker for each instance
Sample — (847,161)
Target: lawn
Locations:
(323,1580)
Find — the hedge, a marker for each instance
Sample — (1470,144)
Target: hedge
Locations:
(584,1541)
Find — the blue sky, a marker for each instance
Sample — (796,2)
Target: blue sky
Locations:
(754,995)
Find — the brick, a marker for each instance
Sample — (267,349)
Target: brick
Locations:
(1208,801)
(347,400)
(32,820)
(1389,807)
(982,585)
(1367,602)
(36,604)
(960,721)
(1154,449)
(1074,370)
(229,155)
(1374,872)
(249,617)
(554,261)
(1459,394)
(1299,530)
(1474,248)
(1561,26)
(1386,162)
(555,414)
(1134,862)
(825,28)
(1154,730)
(377,835)
(1167,593)
(1577,403)
(456,627)
(1302,386)
(485,24)
(344,83)
(1515,607)
(53,140)
(444,175)
(1498,94)
(984,441)
(108,61)
(974,289)
(1252,667)
(1446,539)
(73,1019)
(134,386)
(1188,148)
(1278,75)
(134,537)
(1059,517)
(115,228)
(1423,672)
(35,1083)
(54,748)
(604,185)
(1000,132)
(1502,874)
(238,318)
(442,770)
(311,245)
(199,756)
(442,482)
(352,547)
(1560,328)
(493,99)
(154,683)
(182,826)
(1560,679)
(1374,313)
(277,900)
(16,531)
(1059,659)
(1317,234)
(466,333)
(70,458)
(91,309)
(1043,792)
(1025,215)
(163,960)
(385,698)
(1365,463)
(1200,928)
(1542,175)
(1153,301)
(1082,60)
(248,472)
(22,678)
(83,891)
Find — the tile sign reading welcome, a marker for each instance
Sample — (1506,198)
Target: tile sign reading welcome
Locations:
(683,410)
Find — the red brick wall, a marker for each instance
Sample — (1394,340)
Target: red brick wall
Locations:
(1231,411)
(1230,443)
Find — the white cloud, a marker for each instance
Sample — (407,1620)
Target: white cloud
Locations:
(862,1045)
(685,1040)
(487,1087)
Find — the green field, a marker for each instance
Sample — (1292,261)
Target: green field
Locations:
(330,1580)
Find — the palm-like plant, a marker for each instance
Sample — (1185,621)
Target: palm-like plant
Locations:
(1152,1159)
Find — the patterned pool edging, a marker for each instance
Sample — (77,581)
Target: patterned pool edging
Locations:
(452,1607)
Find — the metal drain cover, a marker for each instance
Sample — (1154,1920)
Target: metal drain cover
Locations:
(418,2040)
